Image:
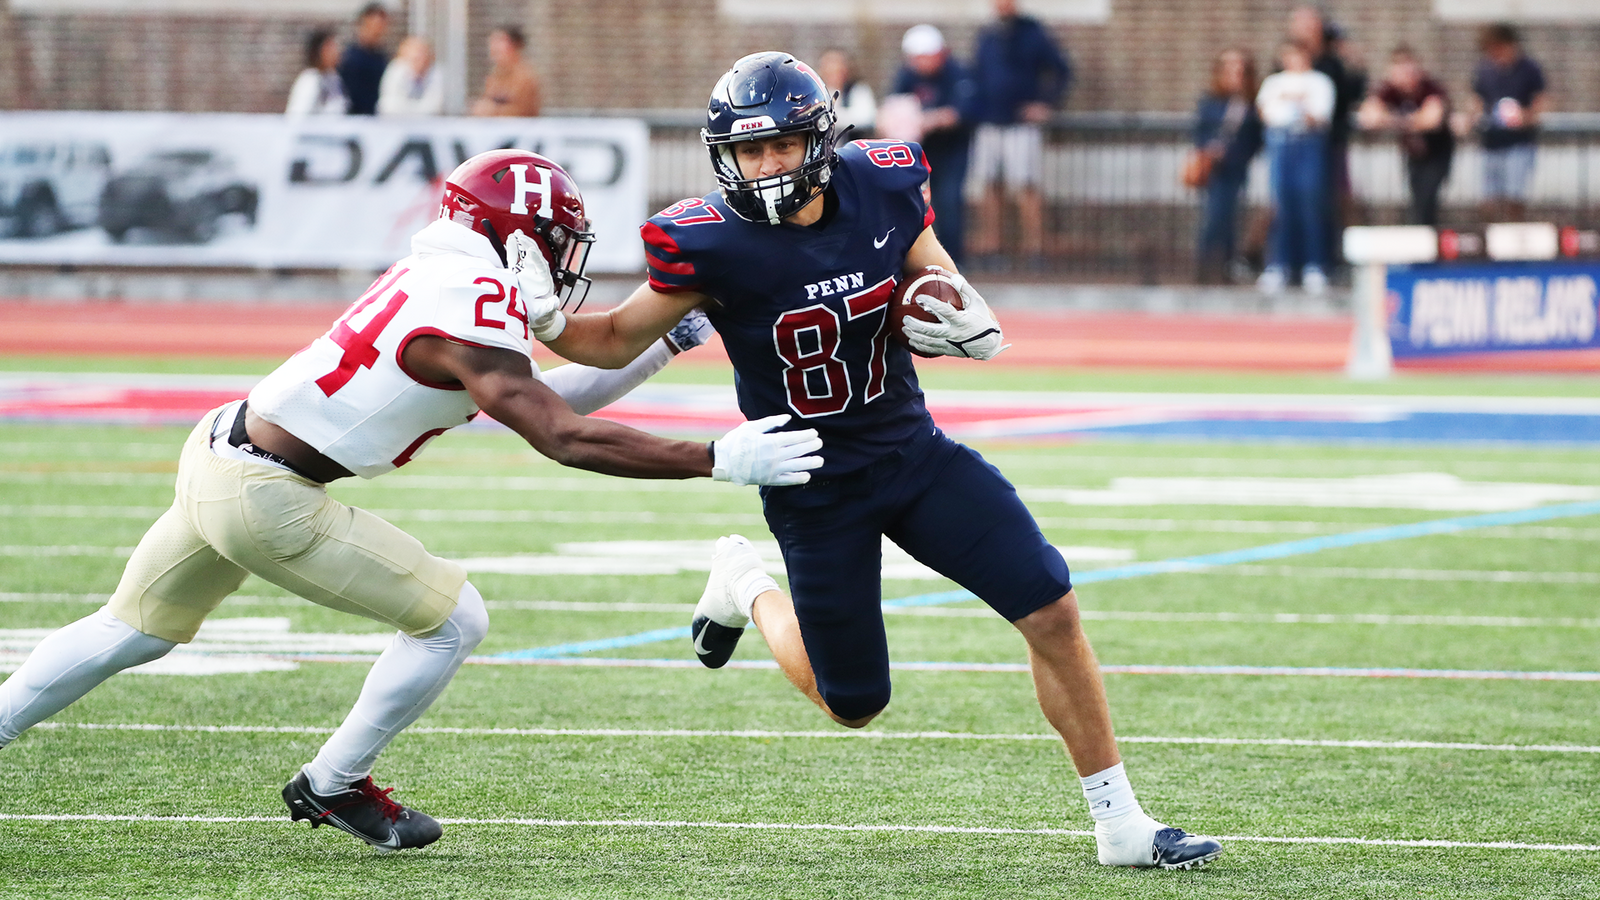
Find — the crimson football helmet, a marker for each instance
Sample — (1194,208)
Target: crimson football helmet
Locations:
(502,191)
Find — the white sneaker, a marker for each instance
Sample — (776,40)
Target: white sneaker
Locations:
(720,618)
(1138,840)
(1313,281)
(1271,280)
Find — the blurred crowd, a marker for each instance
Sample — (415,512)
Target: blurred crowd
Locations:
(361,78)
(981,124)
(1302,116)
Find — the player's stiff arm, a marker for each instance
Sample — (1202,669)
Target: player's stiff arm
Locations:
(444,333)
(794,261)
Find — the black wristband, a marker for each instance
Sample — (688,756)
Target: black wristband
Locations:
(711,451)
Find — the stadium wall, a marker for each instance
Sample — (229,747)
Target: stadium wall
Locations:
(656,54)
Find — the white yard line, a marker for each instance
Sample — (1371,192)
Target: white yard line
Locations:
(818,826)
(1097,615)
(757,734)
(1219,526)
(27,550)
(1353,572)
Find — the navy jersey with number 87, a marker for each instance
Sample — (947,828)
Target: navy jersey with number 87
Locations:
(803,310)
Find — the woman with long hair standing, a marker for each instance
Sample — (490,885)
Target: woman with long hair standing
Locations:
(1227,136)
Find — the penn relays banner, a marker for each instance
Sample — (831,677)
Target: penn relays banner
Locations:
(1442,310)
(160,189)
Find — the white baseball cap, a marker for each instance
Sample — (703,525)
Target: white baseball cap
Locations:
(922,40)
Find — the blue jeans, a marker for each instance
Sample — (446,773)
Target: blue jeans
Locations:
(1219,220)
(1299,162)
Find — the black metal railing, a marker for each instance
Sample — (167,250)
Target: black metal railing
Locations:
(1116,209)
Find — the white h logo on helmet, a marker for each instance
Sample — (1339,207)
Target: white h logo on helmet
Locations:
(522,188)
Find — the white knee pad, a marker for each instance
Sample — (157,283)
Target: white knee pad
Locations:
(470,618)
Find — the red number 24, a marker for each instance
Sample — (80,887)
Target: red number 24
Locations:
(359,352)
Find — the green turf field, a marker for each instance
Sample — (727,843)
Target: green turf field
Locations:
(586,781)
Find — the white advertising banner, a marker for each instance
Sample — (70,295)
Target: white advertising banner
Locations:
(170,189)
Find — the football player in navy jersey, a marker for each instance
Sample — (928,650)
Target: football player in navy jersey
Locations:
(794,261)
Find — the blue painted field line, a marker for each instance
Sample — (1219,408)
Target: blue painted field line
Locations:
(628,640)
(1337,541)
(1161,567)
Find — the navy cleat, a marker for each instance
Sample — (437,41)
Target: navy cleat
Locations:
(718,622)
(1176,849)
(363,810)
(1140,841)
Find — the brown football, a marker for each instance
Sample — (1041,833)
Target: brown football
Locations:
(929,282)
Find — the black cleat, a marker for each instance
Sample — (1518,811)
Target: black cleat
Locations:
(714,643)
(363,810)
(1176,849)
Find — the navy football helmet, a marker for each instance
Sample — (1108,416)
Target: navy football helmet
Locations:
(764,95)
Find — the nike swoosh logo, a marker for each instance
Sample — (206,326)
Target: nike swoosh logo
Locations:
(699,641)
(877,243)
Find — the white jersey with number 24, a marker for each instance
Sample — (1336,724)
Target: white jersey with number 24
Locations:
(349,395)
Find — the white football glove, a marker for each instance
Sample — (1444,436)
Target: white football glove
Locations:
(536,286)
(690,332)
(971,331)
(750,454)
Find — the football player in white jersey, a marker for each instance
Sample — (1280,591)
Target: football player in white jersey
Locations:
(443,334)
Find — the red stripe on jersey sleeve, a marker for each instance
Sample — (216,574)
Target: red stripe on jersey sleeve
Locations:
(662,287)
(927,194)
(669,268)
(655,237)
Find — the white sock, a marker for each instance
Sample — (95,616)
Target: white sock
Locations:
(68,664)
(1110,794)
(749,586)
(403,683)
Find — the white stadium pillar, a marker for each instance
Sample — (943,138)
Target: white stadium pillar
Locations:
(1372,249)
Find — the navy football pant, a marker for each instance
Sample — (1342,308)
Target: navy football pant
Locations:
(942,503)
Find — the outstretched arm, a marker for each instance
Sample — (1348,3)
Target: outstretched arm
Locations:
(587,389)
(502,383)
(612,339)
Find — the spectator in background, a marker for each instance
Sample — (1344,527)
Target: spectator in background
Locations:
(1296,107)
(945,97)
(318,90)
(1227,135)
(856,106)
(1508,100)
(511,87)
(1021,75)
(1416,106)
(411,85)
(1309,28)
(364,60)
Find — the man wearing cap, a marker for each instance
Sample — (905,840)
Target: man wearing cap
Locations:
(948,99)
(1021,75)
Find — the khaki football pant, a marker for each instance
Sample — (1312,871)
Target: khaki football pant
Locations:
(232,517)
